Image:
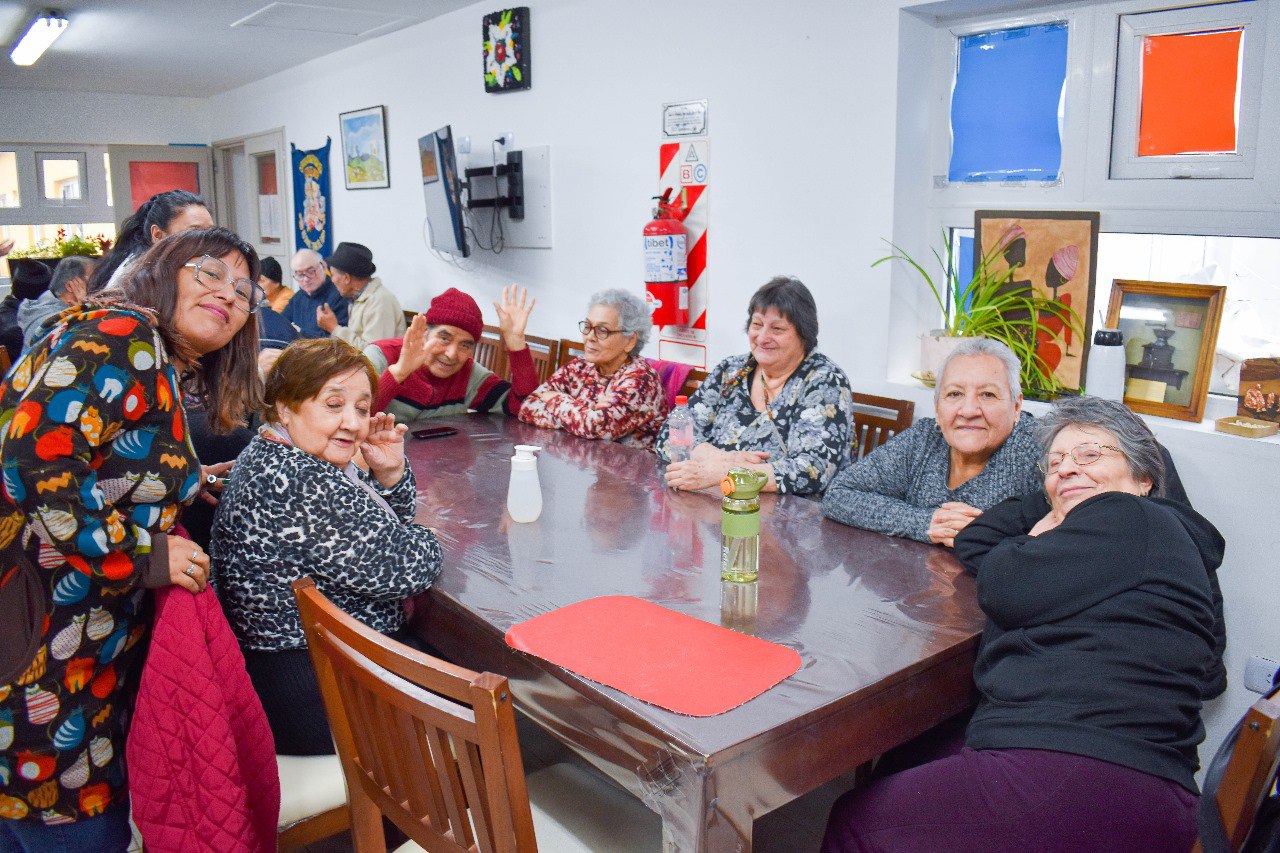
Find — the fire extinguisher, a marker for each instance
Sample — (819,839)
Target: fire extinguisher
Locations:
(666,269)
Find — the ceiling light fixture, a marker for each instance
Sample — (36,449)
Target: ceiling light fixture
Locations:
(43,32)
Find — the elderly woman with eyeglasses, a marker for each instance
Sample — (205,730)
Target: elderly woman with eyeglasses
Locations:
(610,392)
(97,466)
(1090,672)
(929,481)
(784,408)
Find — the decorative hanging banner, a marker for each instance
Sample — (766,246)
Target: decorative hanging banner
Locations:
(311,198)
(683,169)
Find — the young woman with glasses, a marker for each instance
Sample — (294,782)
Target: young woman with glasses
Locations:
(610,392)
(97,466)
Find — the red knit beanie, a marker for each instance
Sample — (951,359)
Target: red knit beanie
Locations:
(455,308)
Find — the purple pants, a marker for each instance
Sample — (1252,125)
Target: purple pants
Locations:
(1021,800)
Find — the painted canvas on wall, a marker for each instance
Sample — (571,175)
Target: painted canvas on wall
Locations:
(1056,254)
(364,148)
(506,50)
(1260,389)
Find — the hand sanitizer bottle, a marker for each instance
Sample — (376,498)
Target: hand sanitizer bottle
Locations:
(524,495)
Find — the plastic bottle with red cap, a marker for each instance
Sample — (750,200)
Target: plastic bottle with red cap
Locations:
(680,430)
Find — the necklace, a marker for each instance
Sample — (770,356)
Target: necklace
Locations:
(771,394)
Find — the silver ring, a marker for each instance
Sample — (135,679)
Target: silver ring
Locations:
(191,571)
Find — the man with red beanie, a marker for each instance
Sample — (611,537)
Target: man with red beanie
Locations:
(430,373)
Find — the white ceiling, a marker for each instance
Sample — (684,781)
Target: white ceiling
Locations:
(189,47)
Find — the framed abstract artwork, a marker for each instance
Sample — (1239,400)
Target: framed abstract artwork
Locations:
(364,148)
(1056,253)
(1170,332)
(506,50)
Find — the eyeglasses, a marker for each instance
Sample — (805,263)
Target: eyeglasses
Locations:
(600,333)
(213,275)
(1083,454)
(310,272)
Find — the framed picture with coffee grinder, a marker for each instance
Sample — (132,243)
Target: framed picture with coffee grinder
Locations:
(1170,331)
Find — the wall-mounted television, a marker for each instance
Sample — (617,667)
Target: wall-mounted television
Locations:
(442,189)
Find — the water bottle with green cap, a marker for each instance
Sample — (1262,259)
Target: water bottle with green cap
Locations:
(740,525)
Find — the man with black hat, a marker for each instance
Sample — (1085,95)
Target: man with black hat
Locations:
(28,279)
(375,313)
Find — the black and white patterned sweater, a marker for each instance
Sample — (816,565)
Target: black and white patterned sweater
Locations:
(287,514)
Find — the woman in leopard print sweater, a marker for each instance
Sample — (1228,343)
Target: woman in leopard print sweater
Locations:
(297,506)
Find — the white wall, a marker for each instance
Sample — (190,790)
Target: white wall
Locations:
(39,116)
(801,133)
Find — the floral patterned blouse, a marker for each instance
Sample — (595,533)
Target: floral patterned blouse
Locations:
(96,462)
(569,400)
(808,430)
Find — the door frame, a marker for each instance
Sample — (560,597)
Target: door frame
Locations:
(272,140)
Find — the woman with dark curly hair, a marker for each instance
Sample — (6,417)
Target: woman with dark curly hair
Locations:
(97,464)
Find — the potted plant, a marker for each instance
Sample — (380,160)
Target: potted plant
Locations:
(990,305)
(50,252)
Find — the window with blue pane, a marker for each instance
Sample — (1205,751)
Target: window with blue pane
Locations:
(1006,105)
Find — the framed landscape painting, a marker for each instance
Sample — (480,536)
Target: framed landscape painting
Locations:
(1056,253)
(364,148)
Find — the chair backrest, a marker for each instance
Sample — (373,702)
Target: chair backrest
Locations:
(1250,774)
(408,317)
(430,745)
(878,419)
(546,355)
(490,352)
(570,348)
(691,383)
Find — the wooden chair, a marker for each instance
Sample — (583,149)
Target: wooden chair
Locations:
(692,382)
(878,419)
(490,352)
(1250,774)
(570,348)
(433,747)
(546,355)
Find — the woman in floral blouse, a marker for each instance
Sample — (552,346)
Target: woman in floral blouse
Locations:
(611,392)
(784,408)
(97,463)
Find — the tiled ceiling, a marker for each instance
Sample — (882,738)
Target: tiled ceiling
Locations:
(193,47)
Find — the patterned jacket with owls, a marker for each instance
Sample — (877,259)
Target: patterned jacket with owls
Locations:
(95,463)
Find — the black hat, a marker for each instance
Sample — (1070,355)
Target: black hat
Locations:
(353,259)
(270,267)
(28,278)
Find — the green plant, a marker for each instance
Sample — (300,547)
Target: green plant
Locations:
(63,246)
(992,305)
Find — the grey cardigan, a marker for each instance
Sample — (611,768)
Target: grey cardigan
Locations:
(896,488)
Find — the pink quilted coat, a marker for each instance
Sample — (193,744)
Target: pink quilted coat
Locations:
(202,769)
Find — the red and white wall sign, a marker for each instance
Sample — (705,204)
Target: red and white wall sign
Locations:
(683,168)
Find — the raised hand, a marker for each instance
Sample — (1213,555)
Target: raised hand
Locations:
(413,349)
(383,449)
(513,315)
(326,319)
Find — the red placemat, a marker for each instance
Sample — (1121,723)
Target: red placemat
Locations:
(658,655)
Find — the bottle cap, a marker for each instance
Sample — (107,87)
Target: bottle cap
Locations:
(1108,337)
(526,451)
(681,400)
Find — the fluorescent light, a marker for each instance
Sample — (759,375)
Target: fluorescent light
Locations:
(43,32)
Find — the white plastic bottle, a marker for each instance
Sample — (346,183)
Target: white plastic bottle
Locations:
(680,430)
(1105,374)
(524,495)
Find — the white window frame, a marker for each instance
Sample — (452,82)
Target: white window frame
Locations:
(1126,164)
(925,203)
(35,209)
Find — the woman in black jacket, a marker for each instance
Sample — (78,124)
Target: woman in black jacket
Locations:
(1091,668)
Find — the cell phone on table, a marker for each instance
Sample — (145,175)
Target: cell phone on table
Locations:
(433,432)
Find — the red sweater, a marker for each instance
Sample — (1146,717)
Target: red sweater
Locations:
(474,386)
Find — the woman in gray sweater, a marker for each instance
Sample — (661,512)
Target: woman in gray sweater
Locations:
(929,481)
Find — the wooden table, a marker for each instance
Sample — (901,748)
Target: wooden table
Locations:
(886,628)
